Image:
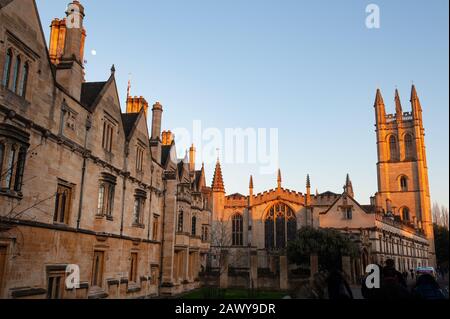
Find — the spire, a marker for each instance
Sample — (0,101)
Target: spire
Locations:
(279,179)
(217,183)
(129,87)
(415,103)
(380,109)
(251,182)
(348,188)
(398,106)
(308,190)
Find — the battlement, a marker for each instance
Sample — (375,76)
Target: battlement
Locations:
(392,118)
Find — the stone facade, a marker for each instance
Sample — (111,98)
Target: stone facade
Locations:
(83,183)
(397,223)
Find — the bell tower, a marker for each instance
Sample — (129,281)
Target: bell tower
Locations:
(403,187)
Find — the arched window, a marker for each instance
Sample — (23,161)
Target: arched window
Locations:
(280,226)
(194,226)
(409,147)
(393,148)
(24,80)
(180,221)
(15,81)
(7,68)
(406,214)
(237,230)
(404,184)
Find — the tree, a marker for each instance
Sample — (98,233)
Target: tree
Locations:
(440,215)
(441,239)
(330,245)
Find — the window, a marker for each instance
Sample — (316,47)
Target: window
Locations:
(139,159)
(63,204)
(20,169)
(106,195)
(108,131)
(15,81)
(55,284)
(237,230)
(139,205)
(280,226)
(155,230)
(205,235)
(393,148)
(97,269)
(404,184)
(180,222)
(409,147)
(194,226)
(7,68)
(133,268)
(349,213)
(9,169)
(13,153)
(406,214)
(24,80)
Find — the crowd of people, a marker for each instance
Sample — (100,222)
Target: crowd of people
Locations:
(393,285)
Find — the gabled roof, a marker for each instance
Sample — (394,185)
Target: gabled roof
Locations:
(363,208)
(4,3)
(237,195)
(129,121)
(328,193)
(90,92)
(165,154)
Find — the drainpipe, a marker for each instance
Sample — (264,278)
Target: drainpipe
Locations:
(83,171)
(163,213)
(124,186)
(149,226)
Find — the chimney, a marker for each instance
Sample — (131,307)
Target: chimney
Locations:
(192,152)
(136,104)
(156,121)
(167,138)
(67,40)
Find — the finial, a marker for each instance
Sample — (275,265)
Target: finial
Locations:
(308,181)
(113,69)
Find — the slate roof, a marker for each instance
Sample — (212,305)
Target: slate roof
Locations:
(89,93)
(129,120)
(165,154)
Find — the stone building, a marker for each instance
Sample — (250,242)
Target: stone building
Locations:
(397,224)
(83,183)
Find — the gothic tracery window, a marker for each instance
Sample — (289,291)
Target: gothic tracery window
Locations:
(280,226)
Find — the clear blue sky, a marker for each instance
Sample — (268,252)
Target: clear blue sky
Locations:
(309,68)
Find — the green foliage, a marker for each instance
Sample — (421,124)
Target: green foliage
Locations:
(330,245)
(441,240)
